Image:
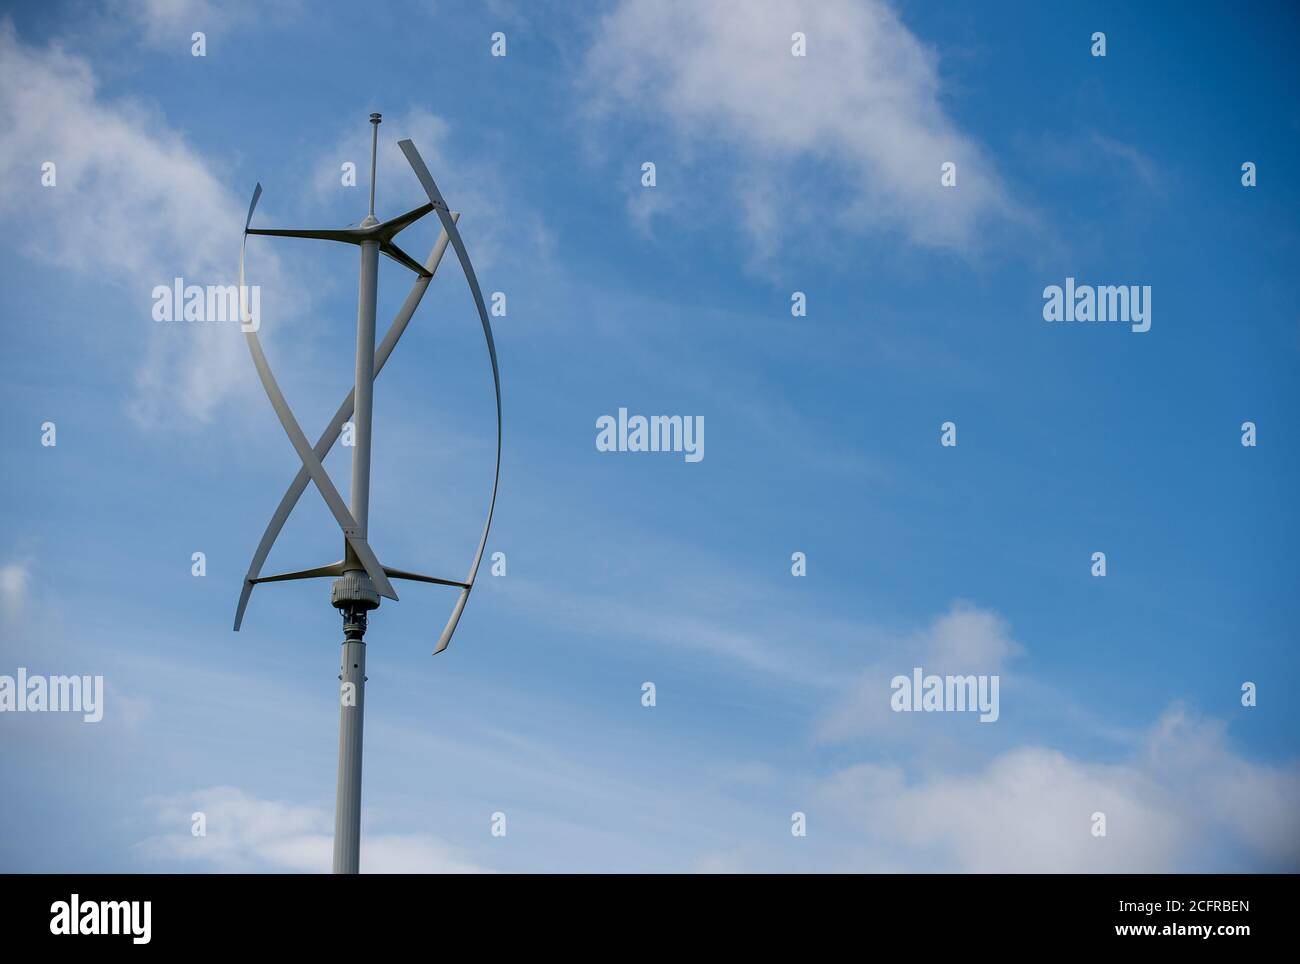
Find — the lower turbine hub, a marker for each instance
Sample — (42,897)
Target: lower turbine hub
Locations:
(353,595)
(354,590)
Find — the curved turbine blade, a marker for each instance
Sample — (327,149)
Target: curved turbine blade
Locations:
(244,595)
(257,193)
(331,434)
(339,509)
(449,225)
(351,531)
(445,639)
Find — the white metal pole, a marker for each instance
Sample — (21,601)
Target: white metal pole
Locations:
(352,693)
(347,813)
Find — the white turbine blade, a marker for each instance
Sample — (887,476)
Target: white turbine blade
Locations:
(339,509)
(247,589)
(257,193)
(449,225)
(327,439)
(351,531)
(445,639)
(244,594)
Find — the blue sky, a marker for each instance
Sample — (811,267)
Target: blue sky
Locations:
(775,174)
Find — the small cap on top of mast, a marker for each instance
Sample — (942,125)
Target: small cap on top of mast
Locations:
(376,118)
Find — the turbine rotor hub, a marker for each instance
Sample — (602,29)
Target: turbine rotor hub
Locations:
(354,590)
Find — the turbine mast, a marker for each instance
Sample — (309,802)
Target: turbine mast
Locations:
(360,579)
(354,593)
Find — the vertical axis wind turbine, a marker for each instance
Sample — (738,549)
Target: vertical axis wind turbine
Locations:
(360,579)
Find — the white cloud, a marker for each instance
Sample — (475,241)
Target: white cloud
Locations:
(862,110)
(246,834)
(1193,756)
(134,206)
(14,579)
(169,24)
(964,640)
(968,639)
(1184,802)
